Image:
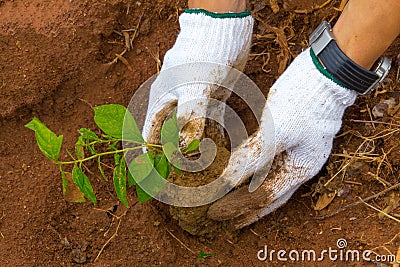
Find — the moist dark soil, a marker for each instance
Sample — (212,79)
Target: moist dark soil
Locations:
(57,61)
(194,220)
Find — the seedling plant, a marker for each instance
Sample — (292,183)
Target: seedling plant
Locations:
(117,125)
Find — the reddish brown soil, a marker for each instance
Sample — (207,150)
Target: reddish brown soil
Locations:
(52,65)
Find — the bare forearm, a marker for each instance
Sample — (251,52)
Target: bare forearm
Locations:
(219,6)
(366,28)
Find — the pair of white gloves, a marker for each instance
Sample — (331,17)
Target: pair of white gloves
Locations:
(304,104)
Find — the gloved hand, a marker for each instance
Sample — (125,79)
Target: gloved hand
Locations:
(207,37)
(306,107)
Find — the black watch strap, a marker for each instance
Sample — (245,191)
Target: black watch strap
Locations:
(345,70)
(340,67)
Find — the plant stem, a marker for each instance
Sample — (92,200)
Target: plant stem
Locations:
(104,141)
(153,145)
(98,155)
(101,141)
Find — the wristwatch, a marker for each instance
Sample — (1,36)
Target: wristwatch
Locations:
(341,67)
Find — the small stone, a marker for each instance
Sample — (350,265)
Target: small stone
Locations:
(344,192)
(25,167)
(65,243)
(18,44)
(380,109)
(78,256)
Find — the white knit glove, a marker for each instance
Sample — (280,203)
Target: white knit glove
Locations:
(306,108)
(204,37)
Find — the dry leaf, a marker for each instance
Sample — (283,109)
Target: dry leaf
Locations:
(72,192)
(259,5)
(383,107)
(324,200)
(392,202)
(274,6)
(283,56)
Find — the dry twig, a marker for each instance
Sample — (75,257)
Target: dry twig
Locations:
(380,211)
(377,122)
(155,57)
(341,6)
(136,30)
(369,155)
(359,201)
(115,60)
(124,61)
(119,218)
(109,240)
(305,11)
(180,242)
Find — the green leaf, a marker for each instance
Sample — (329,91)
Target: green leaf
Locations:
(194,145)
(101,168)
(110,119)
(141,166)
(120,182)
(142,195)
(131,131)
(163,167)
(203,255)
(116,121)
(170,131)
(153,184)
(113,146)
(88,134)
(117,158)
(79,145)
(83,183)
(48,142)
(144,170)
(176,169)
(171,151)
(92,150)
(131,181)
(157,158)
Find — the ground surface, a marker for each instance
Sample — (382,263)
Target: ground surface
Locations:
(53,57)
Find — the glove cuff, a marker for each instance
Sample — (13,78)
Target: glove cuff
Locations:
(222,38)
(324,71)
(332,86)
(218,15)
(310,91)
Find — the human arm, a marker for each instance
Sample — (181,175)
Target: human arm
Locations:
(366,28)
